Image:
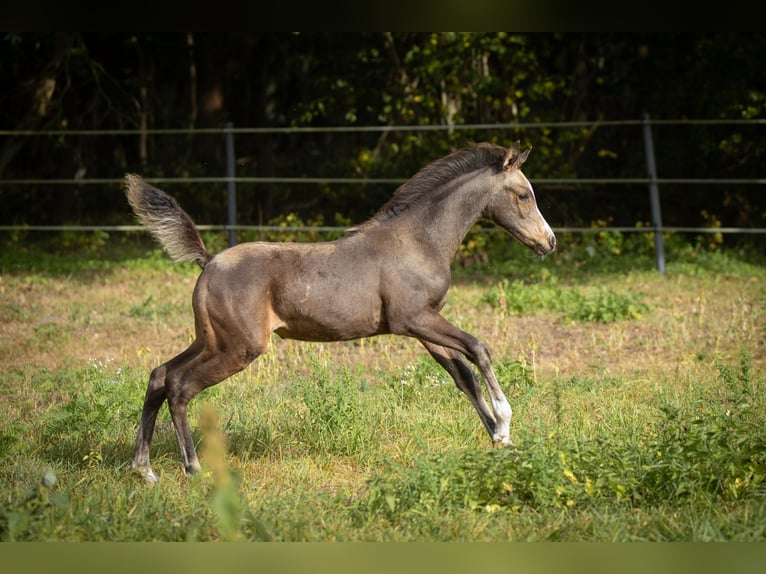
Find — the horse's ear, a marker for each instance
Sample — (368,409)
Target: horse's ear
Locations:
(523,157)
(514,157)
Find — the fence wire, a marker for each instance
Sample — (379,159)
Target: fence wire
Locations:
(232,179)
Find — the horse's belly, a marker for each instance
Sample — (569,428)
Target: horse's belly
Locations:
(322,321)
(306,329)
(325,306)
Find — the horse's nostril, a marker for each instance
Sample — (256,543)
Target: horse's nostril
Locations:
(552,241)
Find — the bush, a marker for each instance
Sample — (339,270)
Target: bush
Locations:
(601,305)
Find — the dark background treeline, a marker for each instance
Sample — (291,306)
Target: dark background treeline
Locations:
(147,81)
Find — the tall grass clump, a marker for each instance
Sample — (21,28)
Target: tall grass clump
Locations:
(709,449)
(225,499)
(598,305)
(333,414)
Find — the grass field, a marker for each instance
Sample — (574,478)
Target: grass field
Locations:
(639,408)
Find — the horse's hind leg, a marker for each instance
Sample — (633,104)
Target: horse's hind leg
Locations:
(206,369)
(155,396)
(465,379)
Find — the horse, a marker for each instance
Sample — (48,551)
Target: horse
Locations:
(389,275)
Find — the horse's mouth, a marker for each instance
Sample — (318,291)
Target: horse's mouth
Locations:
(542,249)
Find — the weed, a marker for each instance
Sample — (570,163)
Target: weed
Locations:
(416,378)
(516,374)
(225,500)
(334,414)
(151,310)
(601,305)
(17,520)
(684,458)
(98,416)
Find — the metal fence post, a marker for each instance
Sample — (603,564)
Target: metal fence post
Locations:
(231,185)
(654,194)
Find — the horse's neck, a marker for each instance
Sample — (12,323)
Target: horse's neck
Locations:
(442,220)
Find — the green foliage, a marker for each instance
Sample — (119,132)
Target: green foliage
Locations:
(79,81)
(703,453)
(50,257)
(291,228)
(334,415)
(82,241)
(16,519)
(711,449)
(600,305)
(215,242)
(150,309)
(100,414)
(603,306)
(581,255)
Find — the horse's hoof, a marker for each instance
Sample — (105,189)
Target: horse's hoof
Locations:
(501,443)
(147,474)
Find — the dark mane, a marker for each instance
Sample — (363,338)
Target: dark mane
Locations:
(436,174)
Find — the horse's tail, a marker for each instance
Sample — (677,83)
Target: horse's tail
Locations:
(170,225)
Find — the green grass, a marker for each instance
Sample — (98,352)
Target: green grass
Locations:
(692,469)
(600,305)
(639,410)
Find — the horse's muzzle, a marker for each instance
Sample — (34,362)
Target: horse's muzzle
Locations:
(542,249)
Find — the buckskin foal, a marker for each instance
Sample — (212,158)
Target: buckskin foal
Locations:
(389,275)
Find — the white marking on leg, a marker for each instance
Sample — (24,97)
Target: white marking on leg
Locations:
(146,473)
(503,414)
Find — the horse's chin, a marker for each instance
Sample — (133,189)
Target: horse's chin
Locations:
(541,250)
(538,248)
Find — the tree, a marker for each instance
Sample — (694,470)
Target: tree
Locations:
(145,81)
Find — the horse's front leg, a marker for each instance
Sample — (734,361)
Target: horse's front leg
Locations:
(465,379)
(430,327)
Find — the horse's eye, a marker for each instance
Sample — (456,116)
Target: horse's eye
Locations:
(523,196)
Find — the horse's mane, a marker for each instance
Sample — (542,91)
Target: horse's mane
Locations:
(436,174)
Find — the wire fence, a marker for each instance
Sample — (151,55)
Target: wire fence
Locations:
(652,181)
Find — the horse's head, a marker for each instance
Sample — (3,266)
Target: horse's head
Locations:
(513,206)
